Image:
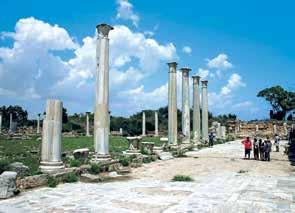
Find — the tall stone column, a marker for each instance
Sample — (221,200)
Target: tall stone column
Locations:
(196,109)
(274,129)
(0,122)
(121,131)
(87,124)
(219,130)
(51,138)
(10,122)
(38,123)
(205,111)
(172,104)
(143,123)
(101,112)
(185,105)
(156,124)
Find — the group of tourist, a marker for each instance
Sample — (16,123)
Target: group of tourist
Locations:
(261,149)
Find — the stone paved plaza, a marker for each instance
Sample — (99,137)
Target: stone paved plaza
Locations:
(223,182)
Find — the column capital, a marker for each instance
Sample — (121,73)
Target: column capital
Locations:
(173,65)
(104,29)
(185,70)
(196,79)
(204,83)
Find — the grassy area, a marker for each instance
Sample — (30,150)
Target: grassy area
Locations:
(156,140)
(28,151)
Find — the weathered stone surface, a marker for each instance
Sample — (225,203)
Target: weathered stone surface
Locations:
(164,155)
(90,178)
(147,147)
(8,184)
(32,181)
(81,154)
(19,168)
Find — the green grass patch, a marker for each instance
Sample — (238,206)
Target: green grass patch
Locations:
(182,178)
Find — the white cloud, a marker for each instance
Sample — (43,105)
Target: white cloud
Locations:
(187,50)
(30,69)
(219,62)
(125,12)
(203,73)
(234,82)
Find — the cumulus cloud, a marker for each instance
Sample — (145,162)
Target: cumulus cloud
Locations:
(32,69)
(234,82)
(187,50)
(125,12)
(203,73)
(219,62)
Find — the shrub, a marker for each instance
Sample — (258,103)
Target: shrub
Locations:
(95,169)
(147,160)
(70,178)
(183,178)
(4,165)
(124,161)
(75,163)
(52,182)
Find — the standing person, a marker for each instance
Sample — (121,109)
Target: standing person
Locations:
(261,149)
(277,142)
(248,146)
(256,149)
(211,139)
(267,149)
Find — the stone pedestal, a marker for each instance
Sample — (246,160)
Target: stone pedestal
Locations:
(87,124)
(156,124)
(185,105)
(172,104)
(196,109)
(204,112)
(147,147)
(101,112)
(51,138)
(143,124)
(133,145)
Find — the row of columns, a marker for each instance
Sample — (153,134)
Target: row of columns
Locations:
(172,106)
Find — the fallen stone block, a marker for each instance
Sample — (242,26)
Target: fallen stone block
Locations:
(8,184)
(90,178)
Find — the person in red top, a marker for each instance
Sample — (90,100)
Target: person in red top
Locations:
(248,146)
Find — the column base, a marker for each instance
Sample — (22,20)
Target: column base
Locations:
(51,167)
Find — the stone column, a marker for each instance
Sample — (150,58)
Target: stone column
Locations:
(196,109)
(121,131)
(10,122)
(285,128)
(156,124)
(51,138)
(223,132)
(172,104)
(143,123)
(274,129)
(38,123)
(101,112)
(185,105)
(0,122)
(218,130)
(87,124)
(205,111)
(257,128)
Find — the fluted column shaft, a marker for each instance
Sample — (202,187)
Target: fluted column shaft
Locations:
(185,105)
(87,124)
(0,123)
(172,104)
(204,111)
(38,124)
(101,112)
(143,124)
(156,124)
(196,108)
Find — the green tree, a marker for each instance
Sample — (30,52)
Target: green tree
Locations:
(281,101)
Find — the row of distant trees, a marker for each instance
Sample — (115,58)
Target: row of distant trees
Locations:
(131,125)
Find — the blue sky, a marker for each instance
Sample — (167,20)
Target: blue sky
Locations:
(47,51)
